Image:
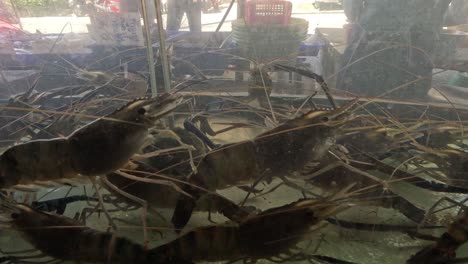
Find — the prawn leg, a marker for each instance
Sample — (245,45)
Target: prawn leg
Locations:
(190,126)
(432,210)
(186,205)
(187,147)
(250,189)
(416,180)
(142,202)
(101,203)
(23,259)
(59,205)
(396,202)
(348,167)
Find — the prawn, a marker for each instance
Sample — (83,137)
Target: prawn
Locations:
(99,147)
(66,239)
(263,236)
(277,152)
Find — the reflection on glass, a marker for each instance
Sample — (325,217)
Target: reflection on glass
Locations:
(194,131)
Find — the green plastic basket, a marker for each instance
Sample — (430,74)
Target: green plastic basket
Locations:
(269,43)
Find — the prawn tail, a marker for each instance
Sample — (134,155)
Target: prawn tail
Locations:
(184,208)
(7,207)
(157,256)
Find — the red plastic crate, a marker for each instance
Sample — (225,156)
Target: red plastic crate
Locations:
(268,12)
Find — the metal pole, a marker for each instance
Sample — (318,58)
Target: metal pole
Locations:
(240,8)
(162,46)
(149,48)
(225,15)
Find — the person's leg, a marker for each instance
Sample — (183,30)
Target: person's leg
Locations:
(151,10)
(215,5)
(193,12)
(174,15)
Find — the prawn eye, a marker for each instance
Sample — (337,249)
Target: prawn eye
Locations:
(141,111)
(15,215)
(325,119)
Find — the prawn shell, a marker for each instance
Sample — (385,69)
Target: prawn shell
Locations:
(63,238)
(276,230)
(212,243)
(39,160)
(233,164)
(105,146)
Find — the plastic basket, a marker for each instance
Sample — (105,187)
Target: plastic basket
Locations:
(261,12)
(267,43)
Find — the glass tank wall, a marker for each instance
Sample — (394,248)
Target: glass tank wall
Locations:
(233,131)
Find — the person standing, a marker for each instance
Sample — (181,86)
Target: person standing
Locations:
(176,10)
(457,13)
(214,7)
(391,45)
(129,6)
